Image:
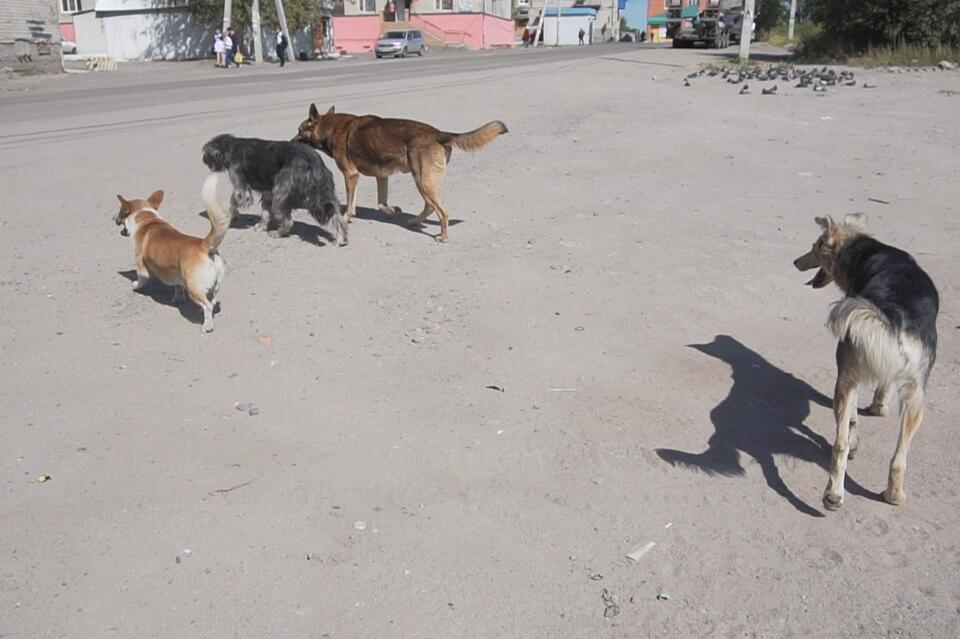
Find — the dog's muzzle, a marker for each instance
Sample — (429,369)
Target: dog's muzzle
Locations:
(808,261)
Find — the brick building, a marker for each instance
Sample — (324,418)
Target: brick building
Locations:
(29,35)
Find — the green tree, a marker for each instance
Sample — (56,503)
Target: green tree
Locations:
(770,13)
(856,26)
(300,13)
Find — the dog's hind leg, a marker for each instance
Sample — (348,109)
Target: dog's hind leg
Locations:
(844,405)
(350,181)
(911,416)
(854,439)
(427,168)
(382,190)
(201,299)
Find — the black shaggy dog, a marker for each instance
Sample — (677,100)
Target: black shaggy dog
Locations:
(286,175)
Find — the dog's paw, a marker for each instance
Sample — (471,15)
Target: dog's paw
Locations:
(260,226)
(276,233)
(389,210)
(442,239)
(895,497)
(877,410)
(832,502)
(207,327)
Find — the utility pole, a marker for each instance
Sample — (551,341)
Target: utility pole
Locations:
(746,30)
(558,24)
(283,25)
(793,19)
(227,11)
(257,33)
(615,20)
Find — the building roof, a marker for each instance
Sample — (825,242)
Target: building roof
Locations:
(570,11)
(137,5)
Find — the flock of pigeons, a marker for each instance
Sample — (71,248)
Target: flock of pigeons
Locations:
(819,80)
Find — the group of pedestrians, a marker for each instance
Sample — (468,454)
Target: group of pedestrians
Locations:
(226,48)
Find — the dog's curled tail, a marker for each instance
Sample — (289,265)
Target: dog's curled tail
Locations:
(871,334)
(219,220)
(477,138)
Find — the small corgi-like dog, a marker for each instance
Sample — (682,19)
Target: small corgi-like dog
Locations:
(189,264)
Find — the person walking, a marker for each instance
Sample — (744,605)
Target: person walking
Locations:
(282,43)
(228,48)
(235,50)
(580,35)
(218,47)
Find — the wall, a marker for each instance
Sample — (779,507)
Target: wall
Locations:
(154,35)
(475,30)
(29,35)
(356,33)
(569,29)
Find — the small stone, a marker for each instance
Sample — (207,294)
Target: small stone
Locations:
(946,65)
(360,525)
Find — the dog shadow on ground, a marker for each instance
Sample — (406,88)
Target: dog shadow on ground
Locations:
(308,232)
(401,219)
(163,294)
(762,416)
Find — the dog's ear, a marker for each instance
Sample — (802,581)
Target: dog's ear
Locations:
(826,223)
(857,221)
(331,110)
(123,202)
(155,199)
(314,113)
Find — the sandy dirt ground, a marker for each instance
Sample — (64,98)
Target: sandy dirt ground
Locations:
(620,270)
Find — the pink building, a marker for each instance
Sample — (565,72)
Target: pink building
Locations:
(473,24)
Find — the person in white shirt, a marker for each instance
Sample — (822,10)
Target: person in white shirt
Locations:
(228,46)
(218,47)
(282,43)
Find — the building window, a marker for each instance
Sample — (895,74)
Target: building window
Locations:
(71,6)
(443,5)
(368,6)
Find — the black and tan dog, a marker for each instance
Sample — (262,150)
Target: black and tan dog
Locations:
(370,145)
(887,330)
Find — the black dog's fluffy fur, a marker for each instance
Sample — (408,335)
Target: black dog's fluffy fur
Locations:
(286,176)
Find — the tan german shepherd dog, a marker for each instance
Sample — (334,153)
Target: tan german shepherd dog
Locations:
(886,330)
(370,145)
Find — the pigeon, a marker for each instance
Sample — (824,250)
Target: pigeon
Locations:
(686,83)
(770,91)
(745,90)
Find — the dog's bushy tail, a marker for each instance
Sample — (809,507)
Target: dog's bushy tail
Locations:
(871,334)
(219,220)
(477,138)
